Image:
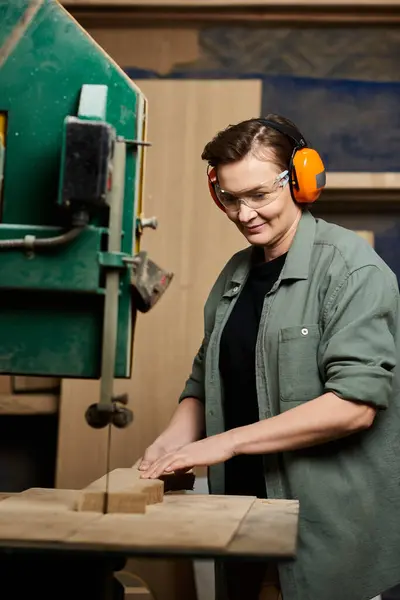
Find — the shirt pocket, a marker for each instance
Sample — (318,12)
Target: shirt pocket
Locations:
(299,377)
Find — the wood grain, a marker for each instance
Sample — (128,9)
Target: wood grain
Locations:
(363,181)
(5,384)
(217,3)
(181,524)
(29,404)
(41,515)
(271,521)
(35,384)
(127,493)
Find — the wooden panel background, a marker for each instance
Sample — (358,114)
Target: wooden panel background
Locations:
(216,3)
(194,240)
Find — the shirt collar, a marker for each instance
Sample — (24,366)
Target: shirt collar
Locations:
(298,259)
(297,263)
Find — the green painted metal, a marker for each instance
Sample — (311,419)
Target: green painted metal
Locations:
(73,268)
(54,327)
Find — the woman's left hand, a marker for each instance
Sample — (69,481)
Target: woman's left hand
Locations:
(206,452)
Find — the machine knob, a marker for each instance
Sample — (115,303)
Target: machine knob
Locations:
(149,222)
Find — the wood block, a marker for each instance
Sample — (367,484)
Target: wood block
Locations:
(134,587)
(5,384)
(210,525)
(127,492)
(181,522)
(35,384)
(118,502)
(29,404)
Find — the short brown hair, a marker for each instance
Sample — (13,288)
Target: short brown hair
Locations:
(236,141)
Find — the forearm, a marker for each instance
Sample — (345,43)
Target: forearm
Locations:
(187,424)
(318,421)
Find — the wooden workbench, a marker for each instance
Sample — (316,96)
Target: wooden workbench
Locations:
(184,524)
(74,538)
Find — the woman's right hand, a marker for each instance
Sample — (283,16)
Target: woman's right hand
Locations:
(155,451)
(186,426)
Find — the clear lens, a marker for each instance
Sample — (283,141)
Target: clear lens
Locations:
(255,201)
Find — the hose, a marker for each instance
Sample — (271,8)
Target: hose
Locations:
(31,242)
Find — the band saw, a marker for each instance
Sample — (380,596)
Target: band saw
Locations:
(72,141)
(72,279)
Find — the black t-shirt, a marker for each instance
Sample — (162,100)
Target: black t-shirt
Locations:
(244,473)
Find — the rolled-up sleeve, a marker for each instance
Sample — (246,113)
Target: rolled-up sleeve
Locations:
(358,351)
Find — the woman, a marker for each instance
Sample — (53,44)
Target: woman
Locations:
(294,392)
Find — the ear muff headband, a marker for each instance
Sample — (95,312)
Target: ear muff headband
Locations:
(306,169)
(212,181)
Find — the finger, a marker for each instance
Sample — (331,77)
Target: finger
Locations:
(168,466)
(144,463)
(180,465)
(158,467)
(149,457)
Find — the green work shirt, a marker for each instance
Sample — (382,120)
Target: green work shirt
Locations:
(330,324)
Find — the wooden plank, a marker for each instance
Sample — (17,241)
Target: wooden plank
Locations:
(35,384)
(134,587)
(5,384)
(127,493)
(40,526)
(101,19)
(182,523)
(362,181)
(5,495)
(42,499)
(271,523)
(41,515)
(29,404)
(218,3)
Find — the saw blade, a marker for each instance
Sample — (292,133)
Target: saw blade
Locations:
(111,302)
(108,469)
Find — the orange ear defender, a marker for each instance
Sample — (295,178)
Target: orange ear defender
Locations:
(212,180)
(307,175)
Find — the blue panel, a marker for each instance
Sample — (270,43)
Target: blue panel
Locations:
(354,124)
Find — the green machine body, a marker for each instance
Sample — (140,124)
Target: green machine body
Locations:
(72,144)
